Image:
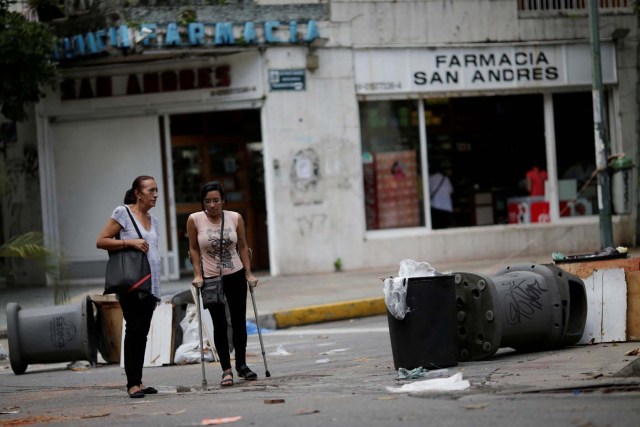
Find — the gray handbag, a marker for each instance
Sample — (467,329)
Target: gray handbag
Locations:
(213,292)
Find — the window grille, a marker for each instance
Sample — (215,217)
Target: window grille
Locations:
(570,5)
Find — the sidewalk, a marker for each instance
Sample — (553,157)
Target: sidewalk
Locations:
(286,301)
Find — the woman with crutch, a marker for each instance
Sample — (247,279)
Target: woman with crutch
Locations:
(218,247)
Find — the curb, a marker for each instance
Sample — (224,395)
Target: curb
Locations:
(324,313)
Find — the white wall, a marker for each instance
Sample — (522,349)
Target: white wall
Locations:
(317,219)
(95,164)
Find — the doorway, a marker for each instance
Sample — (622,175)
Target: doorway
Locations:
(220,146)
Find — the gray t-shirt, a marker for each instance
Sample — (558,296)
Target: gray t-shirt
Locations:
(128,231)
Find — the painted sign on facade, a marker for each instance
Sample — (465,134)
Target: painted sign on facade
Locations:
(478,68)
(194,34)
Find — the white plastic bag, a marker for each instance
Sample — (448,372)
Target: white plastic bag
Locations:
(189,351)
(395,289)
(395,296)
(410,268)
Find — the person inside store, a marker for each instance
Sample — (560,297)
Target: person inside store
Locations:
(536,178)
(440,189)
(582,171)
(210,258)
(137,307)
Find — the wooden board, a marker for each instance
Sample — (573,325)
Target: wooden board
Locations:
(585,269)
(110,327)
(633,306)
(110,331)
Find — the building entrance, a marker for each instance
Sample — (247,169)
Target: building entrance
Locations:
(226,147)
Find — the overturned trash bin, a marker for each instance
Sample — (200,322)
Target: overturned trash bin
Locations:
(528,307)
(55,334)
(426,335)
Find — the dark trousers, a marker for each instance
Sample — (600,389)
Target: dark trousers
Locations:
(441,219)
(137,313)
(235,290)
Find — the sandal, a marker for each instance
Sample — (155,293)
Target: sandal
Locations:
(246,373)
(137,394)
(227,379)
(148,390)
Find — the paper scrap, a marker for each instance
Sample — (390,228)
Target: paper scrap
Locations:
(452,383)
(280,351)
(216,421)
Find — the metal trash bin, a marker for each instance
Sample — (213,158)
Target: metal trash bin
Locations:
(55,334)
(426,337)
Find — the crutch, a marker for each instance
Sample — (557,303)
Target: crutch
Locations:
(255,311)
(204,379)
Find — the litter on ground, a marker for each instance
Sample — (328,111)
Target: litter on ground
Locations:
(452,383)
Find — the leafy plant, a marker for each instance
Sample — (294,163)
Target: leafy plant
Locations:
(24,46)
(337,264)
(31,246)
(187,16)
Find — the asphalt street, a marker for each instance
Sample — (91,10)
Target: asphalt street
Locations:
(336,373)
(329,371)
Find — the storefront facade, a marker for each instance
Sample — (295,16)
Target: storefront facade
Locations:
(328,145)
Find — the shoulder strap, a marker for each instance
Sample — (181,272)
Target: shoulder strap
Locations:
(221,235)
(134,222)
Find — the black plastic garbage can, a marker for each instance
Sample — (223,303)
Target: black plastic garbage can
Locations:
(426,337)
(62,333)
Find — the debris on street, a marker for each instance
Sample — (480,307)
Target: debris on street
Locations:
(216,421)
(452,383)
(280,351)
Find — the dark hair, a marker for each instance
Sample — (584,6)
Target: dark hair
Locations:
(130,195)
(211,186)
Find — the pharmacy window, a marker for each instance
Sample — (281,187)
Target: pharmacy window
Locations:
(491,149)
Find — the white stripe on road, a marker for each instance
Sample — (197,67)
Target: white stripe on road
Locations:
(283,332)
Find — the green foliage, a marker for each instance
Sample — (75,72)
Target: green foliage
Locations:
(25,62)
(31,246)
(337,264)
(187,16)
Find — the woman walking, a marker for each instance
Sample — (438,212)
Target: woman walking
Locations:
(210,257)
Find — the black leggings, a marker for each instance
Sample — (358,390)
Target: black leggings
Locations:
(137,313)
(235,290)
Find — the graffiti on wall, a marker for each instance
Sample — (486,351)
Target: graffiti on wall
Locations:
(309,224)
